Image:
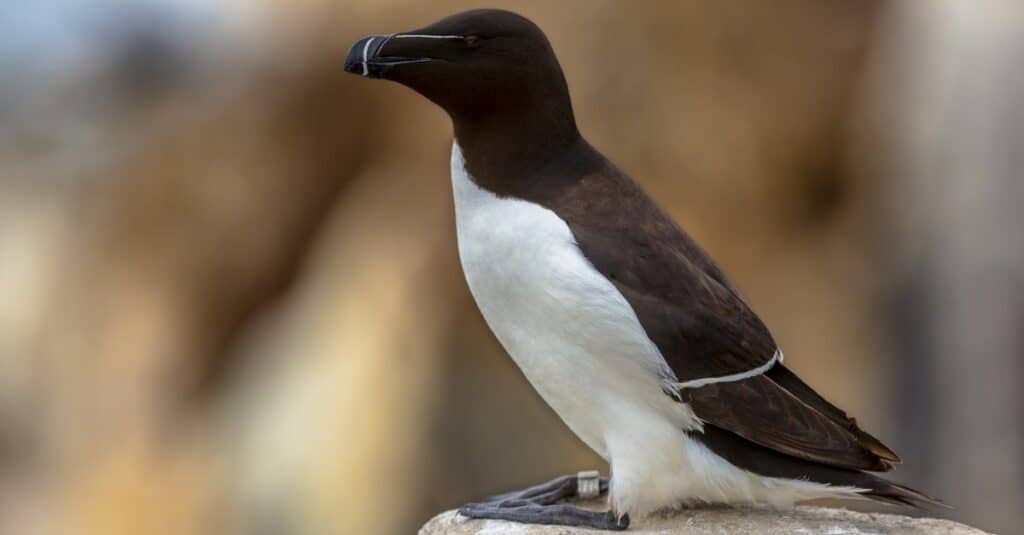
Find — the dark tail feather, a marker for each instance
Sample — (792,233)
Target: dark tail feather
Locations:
(896,494)
(770,463)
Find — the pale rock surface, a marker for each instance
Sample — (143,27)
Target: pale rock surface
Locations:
(721,521)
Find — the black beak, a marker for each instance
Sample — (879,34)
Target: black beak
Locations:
(365,58)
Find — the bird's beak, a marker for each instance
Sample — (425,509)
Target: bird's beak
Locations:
(366,57)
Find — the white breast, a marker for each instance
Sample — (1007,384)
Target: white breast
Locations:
(582,347)
(568,328)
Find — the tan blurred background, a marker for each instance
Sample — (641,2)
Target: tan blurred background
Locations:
(230,300)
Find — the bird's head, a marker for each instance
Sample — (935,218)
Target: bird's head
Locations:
(471,64)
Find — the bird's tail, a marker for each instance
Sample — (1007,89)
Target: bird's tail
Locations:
(770,463)
(881,490)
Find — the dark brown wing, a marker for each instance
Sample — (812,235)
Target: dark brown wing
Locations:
(788,380)
(762,412)
(702,326)
(685,304)
(759,409)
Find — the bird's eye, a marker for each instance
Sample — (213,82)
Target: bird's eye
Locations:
(472,41)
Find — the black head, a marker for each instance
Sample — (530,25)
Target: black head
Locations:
(472,64)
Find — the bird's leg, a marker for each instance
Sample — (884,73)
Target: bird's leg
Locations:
(539,504)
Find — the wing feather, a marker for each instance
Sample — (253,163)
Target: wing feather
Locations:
(762,412)
(696,317)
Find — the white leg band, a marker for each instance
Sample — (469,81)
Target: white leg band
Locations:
(588,484)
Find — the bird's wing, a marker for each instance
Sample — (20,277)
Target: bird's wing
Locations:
(724,335)
(762,412)
(720,351)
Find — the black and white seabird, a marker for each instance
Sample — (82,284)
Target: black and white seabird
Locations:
(621,322)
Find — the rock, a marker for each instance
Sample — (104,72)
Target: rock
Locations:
(720,520)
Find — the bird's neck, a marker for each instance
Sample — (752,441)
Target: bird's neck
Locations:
(517,141)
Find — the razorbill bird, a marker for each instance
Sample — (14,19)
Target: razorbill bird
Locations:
(621,322)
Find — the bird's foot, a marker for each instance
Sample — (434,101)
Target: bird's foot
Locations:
(539,504)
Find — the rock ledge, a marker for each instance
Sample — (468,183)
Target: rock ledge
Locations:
(715,520)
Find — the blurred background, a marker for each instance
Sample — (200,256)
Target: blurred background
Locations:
(230,299)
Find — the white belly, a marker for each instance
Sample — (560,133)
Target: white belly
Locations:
(582,347)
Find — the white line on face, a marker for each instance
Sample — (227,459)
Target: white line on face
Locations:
(424,36)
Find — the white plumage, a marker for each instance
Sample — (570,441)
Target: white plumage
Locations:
(581,346)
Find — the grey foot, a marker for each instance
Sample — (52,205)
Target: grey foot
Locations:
(538,505)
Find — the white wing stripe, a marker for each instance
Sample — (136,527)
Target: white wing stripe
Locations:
(697,383)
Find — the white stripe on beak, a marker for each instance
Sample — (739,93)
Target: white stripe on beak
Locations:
(366,48)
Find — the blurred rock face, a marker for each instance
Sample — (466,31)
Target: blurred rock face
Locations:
(946,137)
(235,302)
